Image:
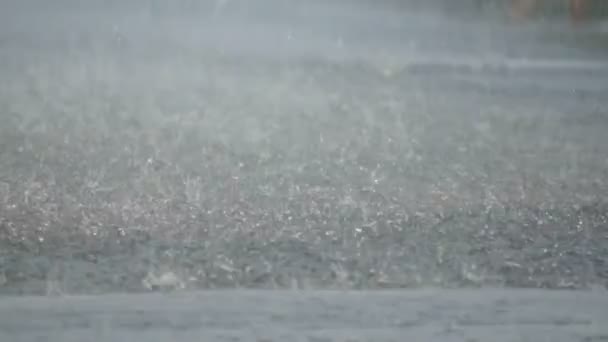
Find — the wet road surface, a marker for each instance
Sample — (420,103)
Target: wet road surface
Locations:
(305,145)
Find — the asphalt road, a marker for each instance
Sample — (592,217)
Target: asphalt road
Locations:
(421,315)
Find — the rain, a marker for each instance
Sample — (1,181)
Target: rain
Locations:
(153,145)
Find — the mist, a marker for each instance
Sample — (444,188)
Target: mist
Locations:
(165,145)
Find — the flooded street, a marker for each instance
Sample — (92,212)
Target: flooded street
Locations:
(149,145)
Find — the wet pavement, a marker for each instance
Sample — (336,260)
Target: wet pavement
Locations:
(148,145)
